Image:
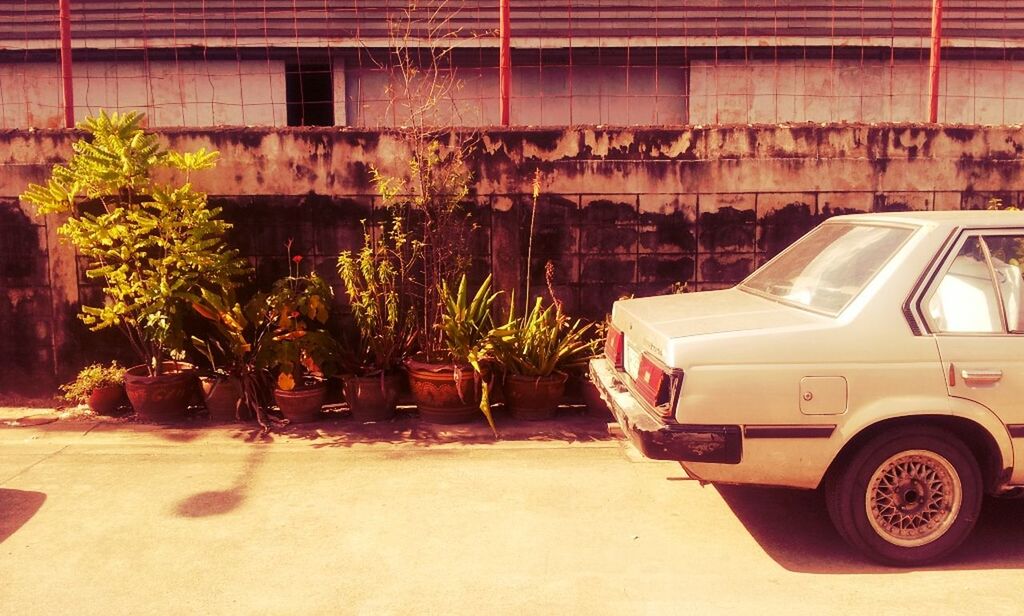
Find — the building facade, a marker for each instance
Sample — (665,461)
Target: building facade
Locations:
(599,62)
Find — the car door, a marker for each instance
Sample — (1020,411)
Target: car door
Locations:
(975,309)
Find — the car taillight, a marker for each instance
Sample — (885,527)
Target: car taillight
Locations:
(614,347)
(652,383)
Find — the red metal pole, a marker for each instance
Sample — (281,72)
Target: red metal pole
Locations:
(505,62)
(65,63)
(933,62)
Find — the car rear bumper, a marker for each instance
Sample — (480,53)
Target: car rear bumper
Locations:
(657,439)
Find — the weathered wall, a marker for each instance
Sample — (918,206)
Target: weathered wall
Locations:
(601,89)
(622,211)
(873,90)
(173,93)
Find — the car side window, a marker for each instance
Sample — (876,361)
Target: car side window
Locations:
(966,300)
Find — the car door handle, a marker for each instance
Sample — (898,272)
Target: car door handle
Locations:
(981,377)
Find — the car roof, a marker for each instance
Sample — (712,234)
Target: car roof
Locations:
(944,219)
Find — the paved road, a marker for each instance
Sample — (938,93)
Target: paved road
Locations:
(122,519)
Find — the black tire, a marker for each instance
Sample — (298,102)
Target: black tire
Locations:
(913,476)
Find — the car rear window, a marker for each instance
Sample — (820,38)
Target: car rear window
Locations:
(828,267)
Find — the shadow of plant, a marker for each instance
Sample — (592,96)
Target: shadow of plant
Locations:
(340,430)
(793,527)
(16,508)
(219,502)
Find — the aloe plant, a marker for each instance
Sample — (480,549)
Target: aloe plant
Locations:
(469,332)
(543,341)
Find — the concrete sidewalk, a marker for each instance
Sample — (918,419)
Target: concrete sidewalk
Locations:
(121,518)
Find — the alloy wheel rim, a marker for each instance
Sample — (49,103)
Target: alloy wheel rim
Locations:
(913,498)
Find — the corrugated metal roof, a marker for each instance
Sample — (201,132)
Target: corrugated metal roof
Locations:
(220,23)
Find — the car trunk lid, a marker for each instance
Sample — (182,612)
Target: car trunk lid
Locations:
(649,323)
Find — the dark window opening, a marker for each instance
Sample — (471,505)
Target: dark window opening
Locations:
(309,89)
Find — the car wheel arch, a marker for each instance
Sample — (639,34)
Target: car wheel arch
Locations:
(989,453)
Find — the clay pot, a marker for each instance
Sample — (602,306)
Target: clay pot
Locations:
(373,398)
(106,400)
(163,398)
(222,396)
(534,397)
(443,394)
(302,404)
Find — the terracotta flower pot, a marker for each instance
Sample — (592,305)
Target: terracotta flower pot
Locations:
(162,398)
(302,404)
(222,396)
(534,397)
(443,394)
(373,398)
(106,400)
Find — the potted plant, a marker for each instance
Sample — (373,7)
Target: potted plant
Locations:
(452,386)
(535,352)
(155,246)
(99,386)
(227,349)
(378,280)
(299,349)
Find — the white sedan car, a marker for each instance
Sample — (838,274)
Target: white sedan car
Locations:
(880,357)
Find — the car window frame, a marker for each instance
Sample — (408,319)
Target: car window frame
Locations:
(941,265)
(913,228)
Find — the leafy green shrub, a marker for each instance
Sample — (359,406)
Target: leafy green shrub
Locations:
(155,246)
(379,281)
(297,308)
(93,376)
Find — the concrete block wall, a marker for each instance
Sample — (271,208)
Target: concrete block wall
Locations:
(823,90)
(622,211)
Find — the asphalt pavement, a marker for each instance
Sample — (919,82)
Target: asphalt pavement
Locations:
(396,518)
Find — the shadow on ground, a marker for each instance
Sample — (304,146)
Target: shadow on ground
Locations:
(220,502)
(339,430)
(16,508)
(793,527)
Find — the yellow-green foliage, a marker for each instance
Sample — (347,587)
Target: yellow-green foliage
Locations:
(155,246)
(543,341)
(468,330)
(379,281)
(93,376)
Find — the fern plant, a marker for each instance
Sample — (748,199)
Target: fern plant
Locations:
(155,246)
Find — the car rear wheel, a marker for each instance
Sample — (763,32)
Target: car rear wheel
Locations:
(906,497)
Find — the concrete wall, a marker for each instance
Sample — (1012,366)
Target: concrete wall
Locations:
(819,90)
(185,93)
(252,92)
(622,210)
(541,96)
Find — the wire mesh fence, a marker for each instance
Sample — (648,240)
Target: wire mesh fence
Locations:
(573,62)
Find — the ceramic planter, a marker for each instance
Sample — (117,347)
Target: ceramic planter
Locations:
(106,400)
(534,397)
(163,398)
(222,396)
(373,398)
(302,404)
(444,394)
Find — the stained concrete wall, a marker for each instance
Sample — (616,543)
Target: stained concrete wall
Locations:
(698,92)
(842,90)
(622,211)
(184,93)
(541,96)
